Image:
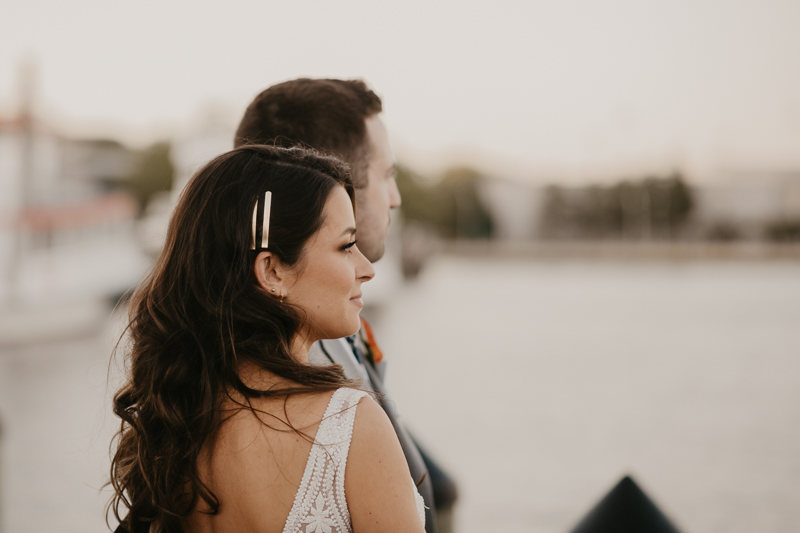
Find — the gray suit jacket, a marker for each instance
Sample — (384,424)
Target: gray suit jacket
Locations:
(338,351)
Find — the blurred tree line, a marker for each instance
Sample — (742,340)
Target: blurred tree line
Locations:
(452,206)
(783,230)
(152,173)
(654,207)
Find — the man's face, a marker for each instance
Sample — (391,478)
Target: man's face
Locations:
(374,202)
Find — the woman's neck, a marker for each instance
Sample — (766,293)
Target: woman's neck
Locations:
(260,378)
(301,344)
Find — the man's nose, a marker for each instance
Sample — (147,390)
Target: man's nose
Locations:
(394,194)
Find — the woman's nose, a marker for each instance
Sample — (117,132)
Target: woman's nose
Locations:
(364,269)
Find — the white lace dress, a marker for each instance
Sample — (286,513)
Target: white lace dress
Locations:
(320,505)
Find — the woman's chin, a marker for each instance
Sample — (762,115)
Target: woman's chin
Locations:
(351,328)
(354,327)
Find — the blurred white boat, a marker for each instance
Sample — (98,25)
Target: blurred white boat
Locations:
(67,247)
(64,266)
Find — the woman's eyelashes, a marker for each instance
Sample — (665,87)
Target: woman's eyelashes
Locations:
(346,247)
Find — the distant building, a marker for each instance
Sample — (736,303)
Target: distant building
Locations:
(63,234)
(190,152)
(96,163)
(515,208)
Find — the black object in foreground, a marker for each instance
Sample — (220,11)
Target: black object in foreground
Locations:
(626,509)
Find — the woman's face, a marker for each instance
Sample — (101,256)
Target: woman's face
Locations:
(327,282)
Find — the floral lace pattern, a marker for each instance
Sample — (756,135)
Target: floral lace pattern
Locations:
(320,505)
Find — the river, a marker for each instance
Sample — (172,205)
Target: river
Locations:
(537,383)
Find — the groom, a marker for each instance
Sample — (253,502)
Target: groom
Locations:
(342,117)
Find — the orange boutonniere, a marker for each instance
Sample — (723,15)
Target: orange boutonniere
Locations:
(368,336)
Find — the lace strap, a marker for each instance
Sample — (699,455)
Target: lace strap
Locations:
(320,502)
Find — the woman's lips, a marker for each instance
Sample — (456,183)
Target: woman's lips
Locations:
(357,300)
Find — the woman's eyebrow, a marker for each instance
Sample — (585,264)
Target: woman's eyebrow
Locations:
(349,231)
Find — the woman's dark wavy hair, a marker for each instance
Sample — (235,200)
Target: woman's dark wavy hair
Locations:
(200,314)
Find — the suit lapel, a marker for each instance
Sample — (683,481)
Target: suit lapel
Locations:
(339,352)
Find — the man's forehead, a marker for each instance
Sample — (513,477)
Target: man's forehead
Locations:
(378,141)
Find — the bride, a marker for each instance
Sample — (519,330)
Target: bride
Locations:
(225,425)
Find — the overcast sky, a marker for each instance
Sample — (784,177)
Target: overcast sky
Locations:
(571,89)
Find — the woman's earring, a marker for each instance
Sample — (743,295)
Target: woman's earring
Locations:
(282,297)
(273,290)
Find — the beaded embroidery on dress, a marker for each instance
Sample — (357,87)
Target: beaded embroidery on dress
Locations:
(320,505)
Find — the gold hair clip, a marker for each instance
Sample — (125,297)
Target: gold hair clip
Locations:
(264,222)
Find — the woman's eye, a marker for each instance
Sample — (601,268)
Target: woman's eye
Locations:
(349,245)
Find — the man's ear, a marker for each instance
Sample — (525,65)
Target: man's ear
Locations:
(269,273)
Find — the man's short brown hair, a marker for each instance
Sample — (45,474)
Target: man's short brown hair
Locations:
(323,114)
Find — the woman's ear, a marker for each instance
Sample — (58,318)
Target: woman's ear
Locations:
(269,273)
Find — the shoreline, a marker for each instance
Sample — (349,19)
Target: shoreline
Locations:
(625,250)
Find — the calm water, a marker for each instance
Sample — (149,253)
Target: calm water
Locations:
(537,384)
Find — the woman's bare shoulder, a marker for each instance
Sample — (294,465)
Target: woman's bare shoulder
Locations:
(377,475)
(371,421)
